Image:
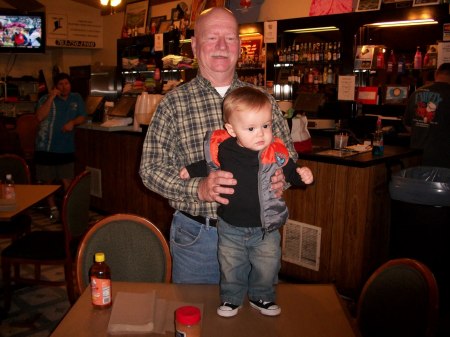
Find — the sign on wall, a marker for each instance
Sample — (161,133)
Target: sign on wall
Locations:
(74,31)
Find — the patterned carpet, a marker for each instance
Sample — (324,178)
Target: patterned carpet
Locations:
(36,310)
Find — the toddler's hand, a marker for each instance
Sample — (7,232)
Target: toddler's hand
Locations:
(306,175)
(184,174)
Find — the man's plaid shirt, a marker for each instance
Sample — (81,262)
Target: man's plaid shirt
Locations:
(175,139)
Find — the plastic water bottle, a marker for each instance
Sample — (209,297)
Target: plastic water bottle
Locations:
(107,111)
(100,278)
(9,188)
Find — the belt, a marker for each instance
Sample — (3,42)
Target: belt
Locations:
(200,219)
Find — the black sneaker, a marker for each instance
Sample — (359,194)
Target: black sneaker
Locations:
(227,309)
(54,215)
(266,308)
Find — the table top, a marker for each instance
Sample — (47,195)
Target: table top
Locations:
(363,159)
(306,310)
(26,196)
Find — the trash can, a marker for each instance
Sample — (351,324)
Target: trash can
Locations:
(420,221)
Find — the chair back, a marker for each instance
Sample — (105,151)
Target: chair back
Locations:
(26,127)
(75,211)
(17,166)
(135,250)
(399,299)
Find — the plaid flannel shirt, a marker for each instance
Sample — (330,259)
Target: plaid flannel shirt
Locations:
(175,139)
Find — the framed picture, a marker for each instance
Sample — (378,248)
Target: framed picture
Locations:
(164,26)
(175,14)
(136,16)
(368,5)
(155,22)
(396,94)
(425,2)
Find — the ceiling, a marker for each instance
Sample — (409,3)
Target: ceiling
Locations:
(25,5)
(92,3)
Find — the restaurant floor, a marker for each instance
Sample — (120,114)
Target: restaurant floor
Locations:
(37,310)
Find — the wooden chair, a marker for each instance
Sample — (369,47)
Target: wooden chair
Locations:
(51,247)
(18,167)
(26,127)
(134,248)
(399,299)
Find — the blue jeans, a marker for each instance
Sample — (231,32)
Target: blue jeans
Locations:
(194,251)
(248,263)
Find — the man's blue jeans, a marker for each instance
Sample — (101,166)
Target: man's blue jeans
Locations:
(249,263)
(194,251)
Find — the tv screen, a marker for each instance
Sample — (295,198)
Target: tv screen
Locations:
(22,33)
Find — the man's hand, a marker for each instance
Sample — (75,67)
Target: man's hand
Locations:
(278,182)
(68,127)
(215,184)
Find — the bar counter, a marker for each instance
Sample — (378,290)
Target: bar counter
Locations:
(349,201)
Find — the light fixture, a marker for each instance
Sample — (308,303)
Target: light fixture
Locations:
(403,23)
(113,3)
(312,30)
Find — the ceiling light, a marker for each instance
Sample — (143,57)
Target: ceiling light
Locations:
(403,23)
(113,3)
(312,30)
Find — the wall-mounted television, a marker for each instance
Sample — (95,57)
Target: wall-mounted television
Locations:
(22,32)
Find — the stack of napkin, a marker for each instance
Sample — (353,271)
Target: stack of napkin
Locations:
(132,312)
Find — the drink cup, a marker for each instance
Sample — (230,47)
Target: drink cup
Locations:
(340,141)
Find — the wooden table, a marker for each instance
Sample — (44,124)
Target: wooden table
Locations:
(307,311)
(26,196)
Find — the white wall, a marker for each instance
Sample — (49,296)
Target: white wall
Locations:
(23,64)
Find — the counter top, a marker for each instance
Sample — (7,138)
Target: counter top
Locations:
(365,159)
(99,127)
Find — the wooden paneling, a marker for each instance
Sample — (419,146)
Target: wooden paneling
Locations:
(118,155)
(352,207)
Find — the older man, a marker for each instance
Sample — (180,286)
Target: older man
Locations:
(175,139)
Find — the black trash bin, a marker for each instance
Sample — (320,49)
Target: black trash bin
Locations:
(420,221)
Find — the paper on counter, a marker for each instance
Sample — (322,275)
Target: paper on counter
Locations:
(132,313)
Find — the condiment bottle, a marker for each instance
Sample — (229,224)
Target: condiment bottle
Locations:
(187,322)
(100,278)
(9,188)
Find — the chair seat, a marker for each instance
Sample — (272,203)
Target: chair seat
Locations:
(38,245)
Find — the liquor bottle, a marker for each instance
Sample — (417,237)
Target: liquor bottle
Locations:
(330,75)
(380,59)
(329,52)
(334,52)
(100,278)
(392,62)
(418,59)
(297,53)
(9,188)
(324,75)
(310,76)
(288,54)
(338,51)
(378,143)
(293,53)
